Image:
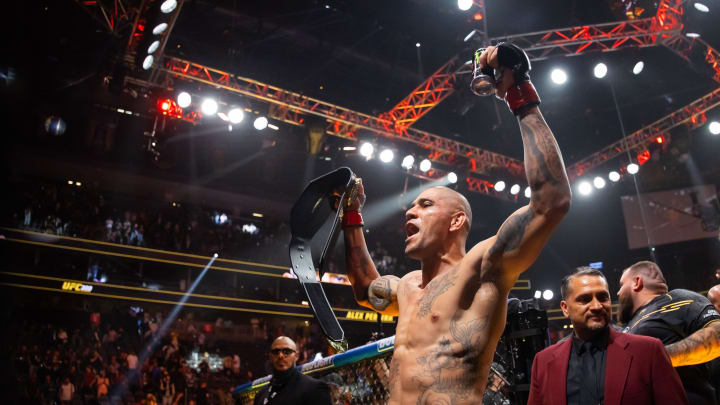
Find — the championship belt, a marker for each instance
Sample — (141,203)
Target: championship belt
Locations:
(337,189)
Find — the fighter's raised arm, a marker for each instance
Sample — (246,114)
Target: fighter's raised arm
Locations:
(370,289)
(523,235)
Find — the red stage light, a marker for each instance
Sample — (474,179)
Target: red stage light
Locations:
(478,16)
(660,139)
(169,107)
(643,157)
(165,106)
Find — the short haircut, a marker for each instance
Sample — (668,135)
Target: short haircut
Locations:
(579,272)
(653,278)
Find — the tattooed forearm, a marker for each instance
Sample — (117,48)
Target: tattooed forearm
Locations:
(435,289)
(543,162)
(700,347)
(511,232)
(360,268)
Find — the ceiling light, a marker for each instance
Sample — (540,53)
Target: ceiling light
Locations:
(236,115)
(452,177)
(209,106)
(417,44)
(701,7)
(386,156)
(407,162)
(538,293)
(714,128)
(168,6)
(584,188)
(153,47)
(633,168)
(500,185)
(465,5)
(600,70)
(614,176)
(260,123)
(638,67)
(425,165)
(184,99)
(160,28)
(528,192)
(547,295)
(599,182)
(515,189)
(366,149)
(223,116)
(147,63)
(348,148)
(692,35)
(558,76)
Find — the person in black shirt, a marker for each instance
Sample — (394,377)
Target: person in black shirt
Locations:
(288,385)
(686,323)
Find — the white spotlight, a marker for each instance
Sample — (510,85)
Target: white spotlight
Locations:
(600,70)
(585,188)
(184,99)
(701,7)
(236,115)
(215,255)
(160,28)
(638,67)
(714,128)
(407,162)
(538,294)
(153,47)
(223,116)
(528,192)
(547,295)
(147,63)
(614,176)
(366,149)
(209,106)
(633,168)
(425,165)
(465,5)
(558,76)
(417,44)
(599,182)
(452,177)
(386,156)
(692,35)
(515,189)
(260,123)
(500,186)
(168,6)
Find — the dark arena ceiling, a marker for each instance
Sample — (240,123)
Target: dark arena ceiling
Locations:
(364,56)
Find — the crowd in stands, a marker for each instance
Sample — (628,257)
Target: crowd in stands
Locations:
(87,212)
(98,362)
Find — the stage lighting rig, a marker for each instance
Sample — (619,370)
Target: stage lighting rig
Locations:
(633,168)
(515,189)
(425,165)
(407,162)
(638,68)
(209,107)
(184,99)
(452,178)
(151,31)
(558,76)
(366,150)
(600,70)
(714,127)
(584,188)
(260,123)
(614,176)
(387,155)
(500,185)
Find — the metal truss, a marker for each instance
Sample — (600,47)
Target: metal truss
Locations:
(293,108)
(540,45)
(639,140)
(683,46)
(117,16)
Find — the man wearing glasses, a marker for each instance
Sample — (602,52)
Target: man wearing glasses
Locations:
(288,385)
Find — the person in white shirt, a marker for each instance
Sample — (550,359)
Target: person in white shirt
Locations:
(67,391)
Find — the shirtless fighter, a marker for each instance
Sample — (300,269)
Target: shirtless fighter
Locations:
(452,311)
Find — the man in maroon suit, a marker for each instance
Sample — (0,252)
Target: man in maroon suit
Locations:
(598,365)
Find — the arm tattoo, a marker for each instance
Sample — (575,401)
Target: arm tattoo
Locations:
(380,293)
(700,347)
(511,233)
(450,372)
(543,163)
(434,289)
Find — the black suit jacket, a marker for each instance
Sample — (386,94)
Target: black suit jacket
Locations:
(299,390)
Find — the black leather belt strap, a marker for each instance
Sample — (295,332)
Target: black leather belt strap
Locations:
(306,218)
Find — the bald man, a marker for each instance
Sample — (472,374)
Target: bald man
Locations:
(288,385)
(686,323)
(714,297)
(452,311)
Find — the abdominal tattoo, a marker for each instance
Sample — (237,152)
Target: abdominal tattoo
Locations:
(449,373)
(434,289)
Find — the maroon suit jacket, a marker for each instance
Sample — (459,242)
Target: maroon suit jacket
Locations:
(637,372)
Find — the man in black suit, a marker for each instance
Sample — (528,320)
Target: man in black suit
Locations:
(288,385)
